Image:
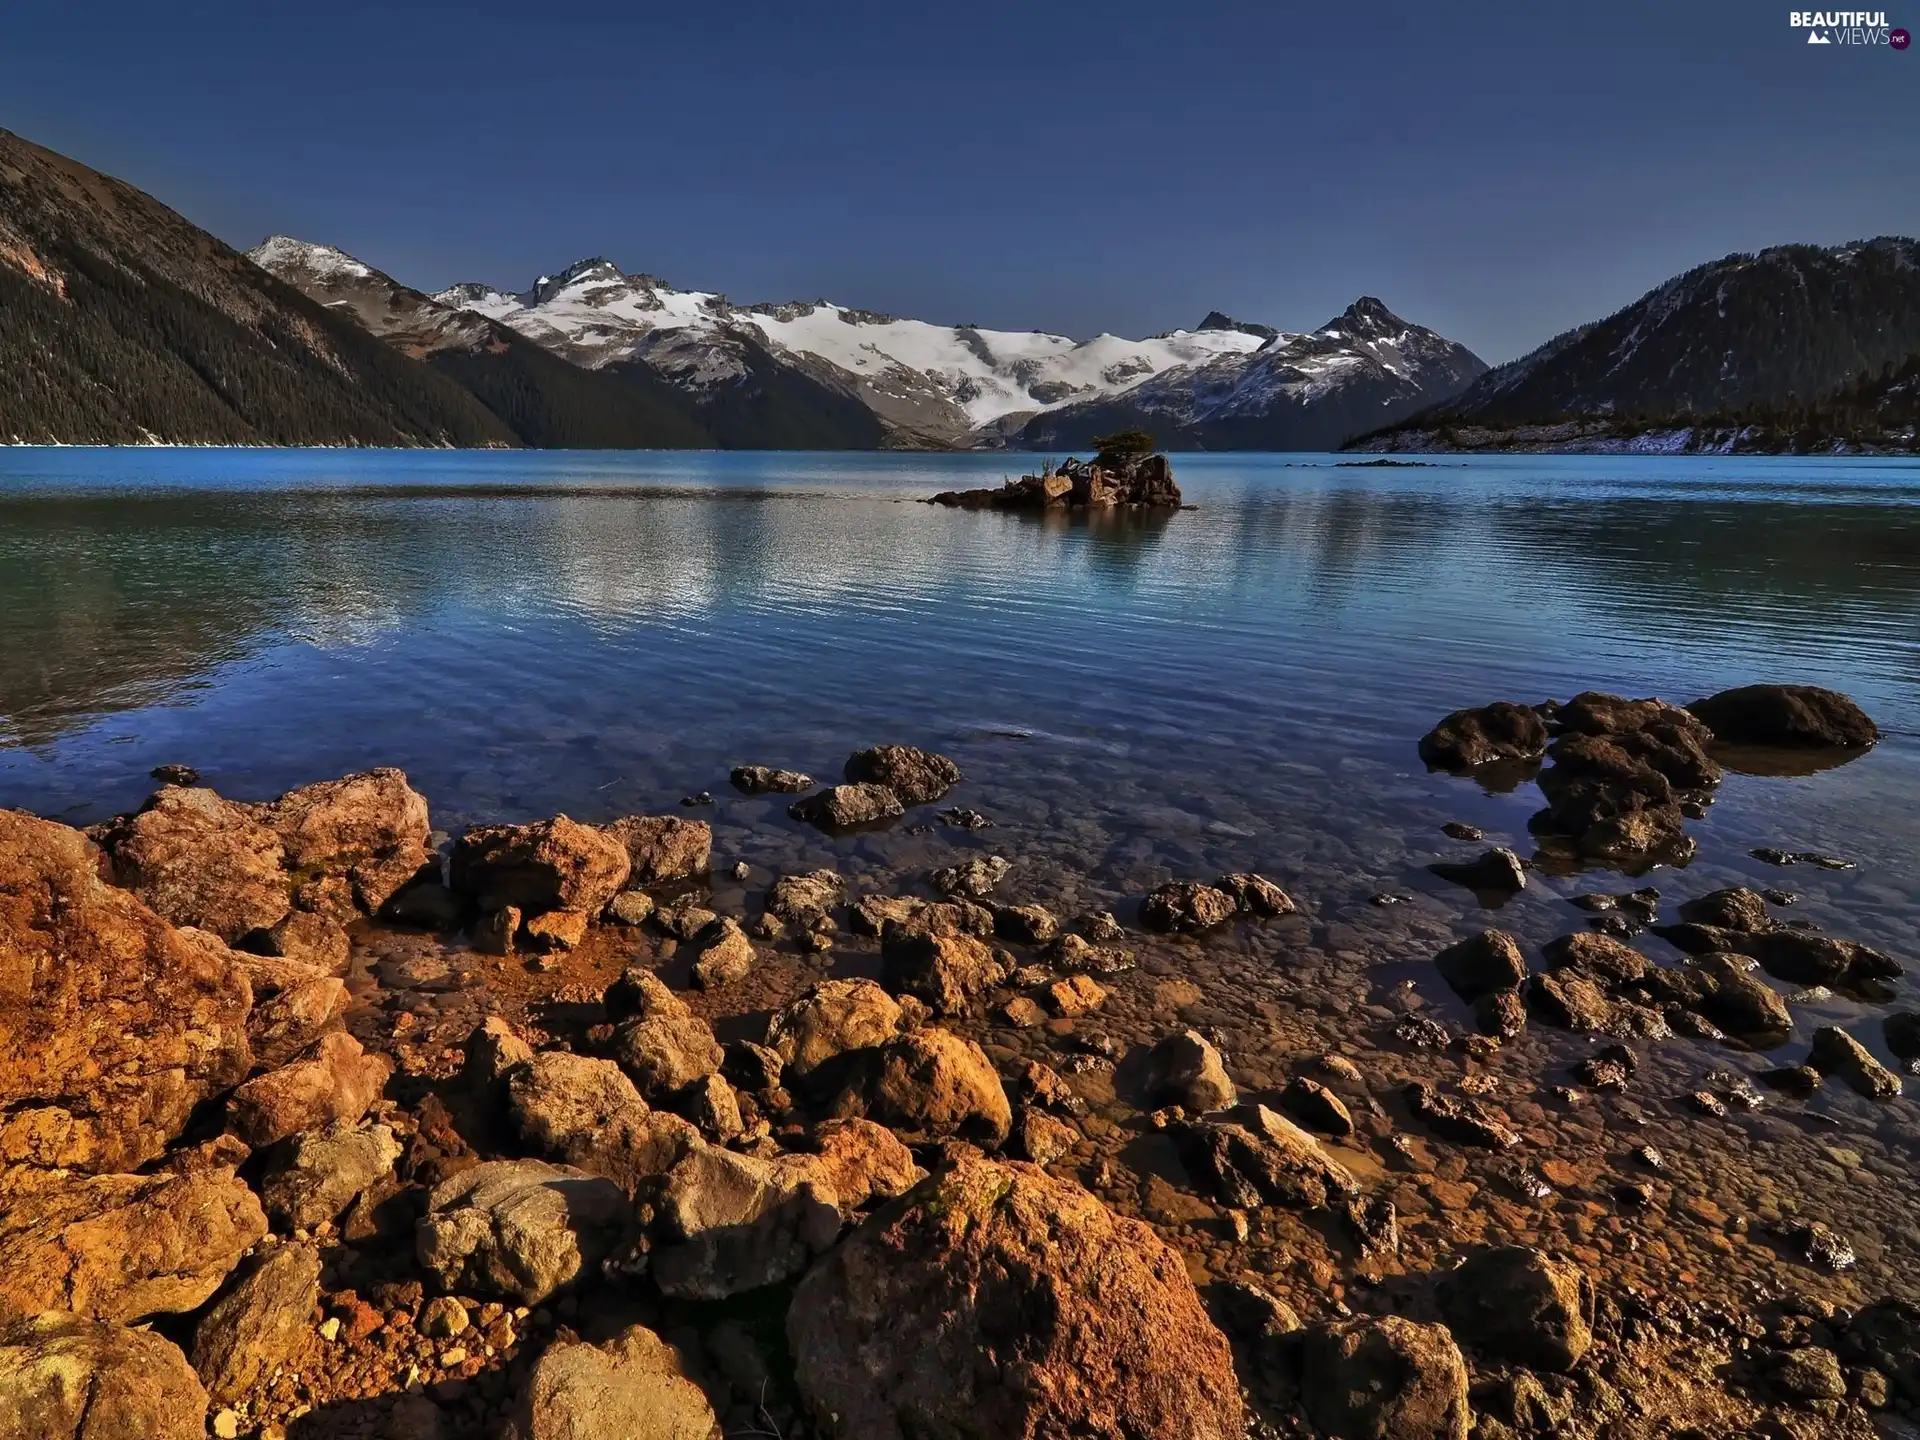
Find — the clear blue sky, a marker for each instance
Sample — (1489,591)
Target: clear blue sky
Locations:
(1499,171)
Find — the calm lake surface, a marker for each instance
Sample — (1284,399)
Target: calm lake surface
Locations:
(1238,686)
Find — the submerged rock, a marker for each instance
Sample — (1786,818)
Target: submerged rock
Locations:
(841,807)
(1186,905)
(914,1324)
(917,777)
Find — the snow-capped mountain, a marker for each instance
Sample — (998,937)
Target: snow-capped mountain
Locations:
(843,376)
(1790,323)
(1364,368)
(942,383)
(704,390)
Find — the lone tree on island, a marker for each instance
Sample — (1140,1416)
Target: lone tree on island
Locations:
(1115,450)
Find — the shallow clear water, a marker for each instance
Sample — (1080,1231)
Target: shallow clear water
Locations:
(1238,686)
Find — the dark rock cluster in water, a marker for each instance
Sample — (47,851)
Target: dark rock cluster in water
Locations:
(1144,481)
(680,1172)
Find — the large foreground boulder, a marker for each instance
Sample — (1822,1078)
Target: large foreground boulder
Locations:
(64,1377)
(633,1388)
(728,1222)
(519,1229)
(1786,715)
(332,1083)
(555,864)
(996,1302)
(259,1324)
(113,1025)
(369,829)
(1384,1379)
(663,847)
(586,1113)
(1520,1304)
(930,1085)
(122,1247)
(199,860)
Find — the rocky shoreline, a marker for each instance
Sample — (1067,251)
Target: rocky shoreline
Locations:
(314,1122)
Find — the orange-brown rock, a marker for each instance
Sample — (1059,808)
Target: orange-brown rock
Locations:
(930,1085)
(63,1377)
(113,1025)
(556,864)
(663,847)
(996,1301)
(338,824)
(199,860)
(332,1083)
(120,1247)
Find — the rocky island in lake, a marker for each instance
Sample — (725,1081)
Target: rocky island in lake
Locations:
(1126,472)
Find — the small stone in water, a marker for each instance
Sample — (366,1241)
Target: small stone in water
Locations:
(960,817)
(1389,897)
(1460,830)
(705,797)
(741,870)
(1779,897)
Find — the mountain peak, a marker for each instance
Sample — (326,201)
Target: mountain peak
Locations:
(595,268)
(281,254)
(1366,316)
(1217,321)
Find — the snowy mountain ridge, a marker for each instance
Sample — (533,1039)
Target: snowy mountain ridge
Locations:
(927,384)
